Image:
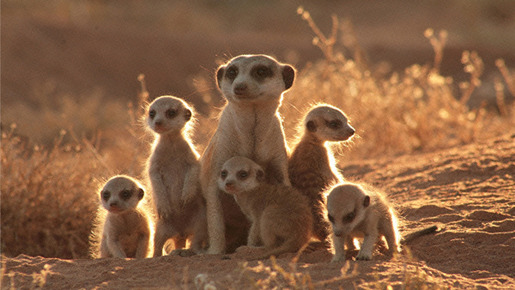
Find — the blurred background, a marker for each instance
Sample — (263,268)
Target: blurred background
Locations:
(58,52)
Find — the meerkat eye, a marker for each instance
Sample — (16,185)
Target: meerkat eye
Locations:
(349,218)
(262,71)
(125,194)
(223,174)
(330,217)
(231,73)
(242,174)
(106,195)
(152,114)
(170,113)
(334,124)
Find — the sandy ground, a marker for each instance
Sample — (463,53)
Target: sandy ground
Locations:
(468,191)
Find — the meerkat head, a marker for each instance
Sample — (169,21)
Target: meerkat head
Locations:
(168,114)
(346,206)
(254,78)
(240,174)
(121,193)
(328,123)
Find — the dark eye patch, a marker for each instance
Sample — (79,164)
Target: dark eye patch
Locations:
(125,194)
(223,174)
(171,113)
(106,195)
(152,114)
(231,72)
(349,217)
(260,72)
(242,174)
(331,218)
(334,124)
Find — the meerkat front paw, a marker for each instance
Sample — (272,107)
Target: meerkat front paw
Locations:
(364,256)
(338,258)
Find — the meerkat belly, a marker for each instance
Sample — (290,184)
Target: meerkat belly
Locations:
(129,241)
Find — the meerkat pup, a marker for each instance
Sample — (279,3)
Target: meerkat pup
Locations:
(356,213)
(173,170)
(280,215)
(125,230)
(311,166)
(249,126)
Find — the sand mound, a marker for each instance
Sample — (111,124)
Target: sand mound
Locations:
(469,192)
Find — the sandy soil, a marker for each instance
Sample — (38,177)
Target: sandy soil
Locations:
(468,191)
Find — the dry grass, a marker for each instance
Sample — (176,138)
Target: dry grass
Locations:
(49,194)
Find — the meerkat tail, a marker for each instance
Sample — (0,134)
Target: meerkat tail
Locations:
(412,236)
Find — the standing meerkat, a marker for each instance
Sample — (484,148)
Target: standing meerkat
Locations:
(125,231)
(280,216)
(356,213)
(311,166)
(249,126)
(173,171)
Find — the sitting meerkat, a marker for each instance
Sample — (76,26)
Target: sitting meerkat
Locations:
(356,213)
(125,231)
(311,166)
(280,215)
(249,126)
(173,170)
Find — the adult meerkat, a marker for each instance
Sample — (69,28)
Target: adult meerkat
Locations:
(280,215)
(356,212)
(311,166)
(249,126)
(173,171)
(125,231)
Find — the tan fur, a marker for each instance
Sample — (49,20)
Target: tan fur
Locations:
(356,212)
(125,230)
(249,126)
(173,169)
(311,165)
(280,215)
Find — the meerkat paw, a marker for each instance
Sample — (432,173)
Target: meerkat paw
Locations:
(364,256)
(338,258)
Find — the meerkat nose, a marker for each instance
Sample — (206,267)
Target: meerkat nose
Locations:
(240,89)
(338,233)
(229,185)
(352,131)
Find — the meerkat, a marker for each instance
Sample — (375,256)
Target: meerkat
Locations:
(249,126)
(354,213)
(173,169)
(280,216)
(311,166)
(125,231)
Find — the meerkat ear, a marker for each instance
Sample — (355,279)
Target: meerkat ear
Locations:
(366,201)
(141,193)
(312,126)
(219,75)
(288,76)
(187,114)
(260,175)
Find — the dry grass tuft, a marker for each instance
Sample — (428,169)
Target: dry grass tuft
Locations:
(47,199)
